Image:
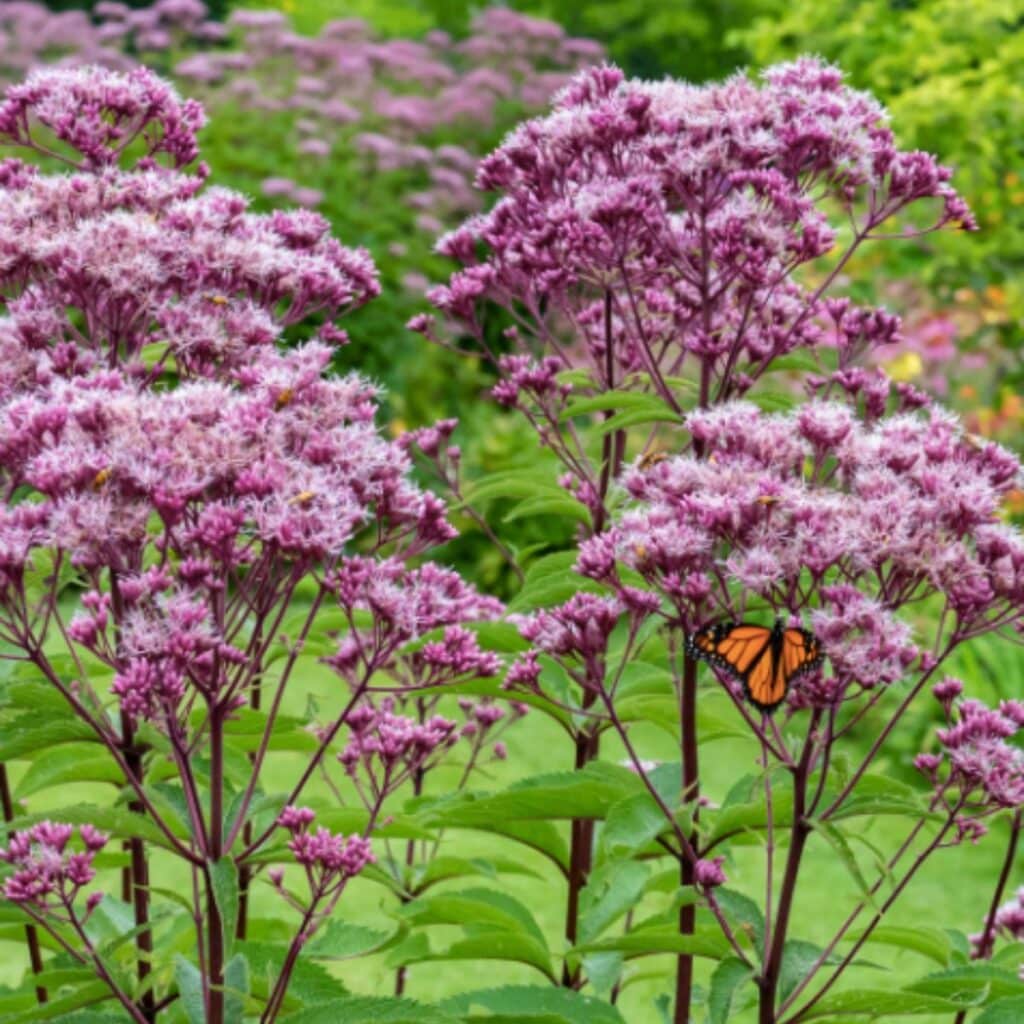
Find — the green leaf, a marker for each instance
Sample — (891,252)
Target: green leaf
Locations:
(880,1003)
(442,868)
(969,981)
(610,892)
(727,979)
(1002,1011)
(224,881)
(528,1003)
(473,907)
(120,823)
(311,985)
(878,794)
(236,987)
(705,941)
(631,825)
(549,505)
(612,401)
(370,1010)
(190,990)
(934,943)
(72,762)
(798,957)
(743,914)
(588,793)
(85,993)
(342,940)
(835,838)
(28,735)
(491,944)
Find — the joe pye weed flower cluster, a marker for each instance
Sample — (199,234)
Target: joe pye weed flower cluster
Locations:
(200,515)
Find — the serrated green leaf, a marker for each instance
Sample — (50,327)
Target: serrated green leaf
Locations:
(475,907)
(611,891)
(588,793)
(224,882)
(71,762)
(743,914)
(630,825)
(705,941)
(977,980)
(26,736)
(342,940)
(528,1003)
(931,942)
(880,1003)
(370,1010)
(729,976)
(236,988)
(798,957)
(190,990)
(1002,1011)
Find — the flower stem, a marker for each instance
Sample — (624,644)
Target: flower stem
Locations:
(988,934)
(691,791)
(215,926)
(35,955)
(139,878)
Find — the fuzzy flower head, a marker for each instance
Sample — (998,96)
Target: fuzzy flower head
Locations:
(983,766)
(48,872)
(903,506)
(384,748)
(329,860)
(664,217)
(99,113)
(421,616)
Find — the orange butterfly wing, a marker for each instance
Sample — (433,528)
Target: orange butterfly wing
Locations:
(764,660)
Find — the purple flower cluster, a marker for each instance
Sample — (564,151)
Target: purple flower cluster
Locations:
(662,224)
(260,465)
(984,770)
(384,749)
(824,514)
(48,875)
(99,115)
(410,607)
(327,858)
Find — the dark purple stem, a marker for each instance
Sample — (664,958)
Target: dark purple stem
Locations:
(31,935)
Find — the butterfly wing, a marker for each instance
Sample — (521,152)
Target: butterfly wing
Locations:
(801,652)
(743,651)
(764,660)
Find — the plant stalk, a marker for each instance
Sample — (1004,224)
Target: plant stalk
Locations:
(35,955)
(138,874)
(215,926)
(690,793)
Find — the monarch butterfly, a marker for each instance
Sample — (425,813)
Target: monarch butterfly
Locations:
(764,660)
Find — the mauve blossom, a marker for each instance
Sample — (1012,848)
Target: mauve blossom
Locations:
(47,874)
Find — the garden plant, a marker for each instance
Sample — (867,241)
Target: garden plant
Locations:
(743,570)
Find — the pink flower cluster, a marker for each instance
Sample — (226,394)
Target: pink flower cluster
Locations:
(665,221)
(99,115)
(330,860)
(823,514)
(384,749)
(410,605)
(48,875)
(984,769)
(256,468)
(169,280)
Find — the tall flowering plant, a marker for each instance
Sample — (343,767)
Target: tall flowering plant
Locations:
(193,515)
(657,256)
